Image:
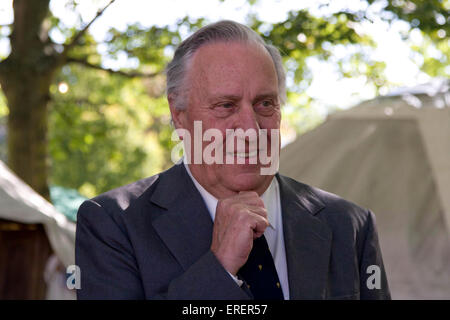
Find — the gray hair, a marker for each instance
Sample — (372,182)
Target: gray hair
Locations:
(224,30)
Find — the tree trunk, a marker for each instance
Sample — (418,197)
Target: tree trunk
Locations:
(25,77)
(27,95)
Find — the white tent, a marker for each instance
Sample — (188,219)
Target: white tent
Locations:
(20,203)
(391,155)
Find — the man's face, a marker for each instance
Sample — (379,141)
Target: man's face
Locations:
(231,85)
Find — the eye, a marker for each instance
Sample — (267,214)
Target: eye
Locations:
(267,103)
(266,107)
(226,105)
(223,109)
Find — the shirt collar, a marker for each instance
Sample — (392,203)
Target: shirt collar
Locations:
(269,197)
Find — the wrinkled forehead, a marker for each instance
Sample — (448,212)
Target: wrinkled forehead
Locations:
(232,67)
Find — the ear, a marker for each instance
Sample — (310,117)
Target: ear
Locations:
(178,116)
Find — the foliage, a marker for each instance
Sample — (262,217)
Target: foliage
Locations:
(113,126)
(432,19)
(100,131)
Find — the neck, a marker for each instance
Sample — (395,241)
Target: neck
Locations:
(220,190)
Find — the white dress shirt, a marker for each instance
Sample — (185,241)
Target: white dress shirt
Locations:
(273,233)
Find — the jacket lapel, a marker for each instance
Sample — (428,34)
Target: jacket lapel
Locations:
(307,240)
(186,225)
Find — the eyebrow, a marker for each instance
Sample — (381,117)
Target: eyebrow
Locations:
(225,97)
(237,98)
(266,95)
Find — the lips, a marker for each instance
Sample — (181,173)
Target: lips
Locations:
(249,154)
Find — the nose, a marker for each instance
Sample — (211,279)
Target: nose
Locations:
(247,118)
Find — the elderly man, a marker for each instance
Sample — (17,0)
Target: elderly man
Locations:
(223,229)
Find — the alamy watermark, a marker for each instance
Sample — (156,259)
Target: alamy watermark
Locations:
(73,281)
(240,147)
(73,273)
(374,280)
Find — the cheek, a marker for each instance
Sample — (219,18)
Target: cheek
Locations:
(272,122)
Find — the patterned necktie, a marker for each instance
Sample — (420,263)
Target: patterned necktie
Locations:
(260,274)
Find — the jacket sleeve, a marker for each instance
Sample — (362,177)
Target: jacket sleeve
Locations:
(105,257)
(206,279)
(109,269)
(373,280)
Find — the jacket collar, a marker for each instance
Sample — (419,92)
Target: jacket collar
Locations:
(307,240)
(186,226)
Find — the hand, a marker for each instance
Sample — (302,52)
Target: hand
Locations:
(239,220)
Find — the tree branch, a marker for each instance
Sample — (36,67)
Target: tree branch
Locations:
(80,33)
(132,74)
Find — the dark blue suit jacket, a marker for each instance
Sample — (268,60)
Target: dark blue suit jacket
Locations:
(151,240)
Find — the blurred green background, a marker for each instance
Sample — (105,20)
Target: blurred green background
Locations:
(86,104)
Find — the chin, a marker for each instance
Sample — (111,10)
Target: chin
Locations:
(246,181)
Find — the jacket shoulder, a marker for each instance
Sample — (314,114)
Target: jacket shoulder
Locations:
(337,205)
(119,199)
(335,208)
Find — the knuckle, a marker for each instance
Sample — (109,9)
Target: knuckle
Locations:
(242,215)
(264,213)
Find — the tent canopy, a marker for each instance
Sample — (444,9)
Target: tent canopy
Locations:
(391,155)
(20,203)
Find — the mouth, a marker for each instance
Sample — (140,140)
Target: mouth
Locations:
(244,155)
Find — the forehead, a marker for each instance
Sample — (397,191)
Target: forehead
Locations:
(232,68)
